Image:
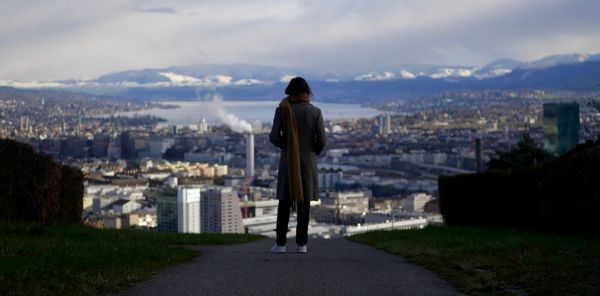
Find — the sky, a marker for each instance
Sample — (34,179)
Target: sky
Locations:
(64,39)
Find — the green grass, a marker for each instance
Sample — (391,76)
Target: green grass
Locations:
(78,260)
(493,261)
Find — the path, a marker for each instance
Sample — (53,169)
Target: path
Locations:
(331,267)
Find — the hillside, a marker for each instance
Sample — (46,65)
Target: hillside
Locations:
(498,261)
(78,260)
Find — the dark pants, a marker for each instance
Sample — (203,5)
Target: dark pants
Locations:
(283,218)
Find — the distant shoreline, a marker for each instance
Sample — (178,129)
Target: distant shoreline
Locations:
(190,112)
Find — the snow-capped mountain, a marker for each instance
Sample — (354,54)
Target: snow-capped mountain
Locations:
(374,76)
(494,69)
(562,59)
(497,68)
(414,71)
(238,75)
(200,75)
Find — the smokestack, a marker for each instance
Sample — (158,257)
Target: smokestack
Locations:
(249,155)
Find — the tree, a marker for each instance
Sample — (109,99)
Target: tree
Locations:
(36,188)
(30,184)
(71,195)
(526,155)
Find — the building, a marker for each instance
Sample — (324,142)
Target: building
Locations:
(220,211)
(561,127)
(198,210)
(166,210)
(101,202)
(329,177)
(127,145)
(74,146)
(346,201)
(113,222)
(100,145)
(158,147)
(416,202)
(124,206)
(202,126)
(259,208)
(385,124)
(147,219)
(188,210)
(24,124)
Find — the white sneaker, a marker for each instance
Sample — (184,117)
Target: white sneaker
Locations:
(301,249)
(278,249)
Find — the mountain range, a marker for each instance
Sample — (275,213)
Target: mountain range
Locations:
(243,81)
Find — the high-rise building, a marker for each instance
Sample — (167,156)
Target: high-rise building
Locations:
(388,124)
(561,127)
(220,211)
(166,210)
(24,123)
(127,145)
(385,124)
(203,126)
(100,145)
(74,146)
(133,145)
(158,146)
(198,210)
(79,126)
(188,210)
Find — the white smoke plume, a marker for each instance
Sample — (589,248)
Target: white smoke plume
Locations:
(235,123)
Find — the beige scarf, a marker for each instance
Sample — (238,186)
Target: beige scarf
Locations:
(293,148)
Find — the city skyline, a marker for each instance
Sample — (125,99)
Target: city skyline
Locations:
(59,40)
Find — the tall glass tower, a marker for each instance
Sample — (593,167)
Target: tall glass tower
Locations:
(561,127)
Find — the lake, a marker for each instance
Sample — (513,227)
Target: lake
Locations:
(190,112)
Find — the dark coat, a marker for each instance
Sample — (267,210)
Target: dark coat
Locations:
(312,140)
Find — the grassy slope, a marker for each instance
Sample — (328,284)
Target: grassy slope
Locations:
(484,261)
(80,260)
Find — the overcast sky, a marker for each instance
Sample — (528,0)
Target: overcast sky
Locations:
(60,39)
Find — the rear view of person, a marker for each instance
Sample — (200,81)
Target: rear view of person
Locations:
(298,130)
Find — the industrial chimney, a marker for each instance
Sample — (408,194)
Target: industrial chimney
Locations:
(250,155)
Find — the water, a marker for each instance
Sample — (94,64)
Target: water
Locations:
(190,112)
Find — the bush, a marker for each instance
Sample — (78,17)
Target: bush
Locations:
(571,189)
(32,187)
(490,198)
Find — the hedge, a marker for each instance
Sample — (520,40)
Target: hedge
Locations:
(490,198)
(561,194)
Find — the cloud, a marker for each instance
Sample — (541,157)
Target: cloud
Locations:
(65,39)
(161,9)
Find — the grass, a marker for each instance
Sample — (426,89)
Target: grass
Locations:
(493,261)
(79,260)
